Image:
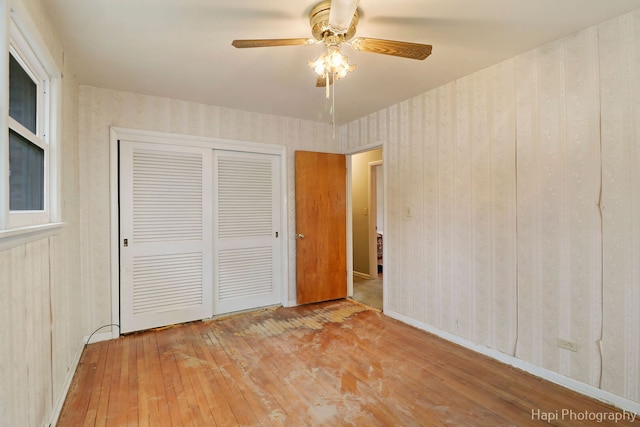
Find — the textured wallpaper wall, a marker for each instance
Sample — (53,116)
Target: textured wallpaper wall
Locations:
(513,206)
(40,284)
(619,51)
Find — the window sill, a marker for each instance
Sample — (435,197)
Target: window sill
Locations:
(23,235)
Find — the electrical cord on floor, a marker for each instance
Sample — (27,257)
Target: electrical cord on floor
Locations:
(101,327)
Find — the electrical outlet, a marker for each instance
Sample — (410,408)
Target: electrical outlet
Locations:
(567,344)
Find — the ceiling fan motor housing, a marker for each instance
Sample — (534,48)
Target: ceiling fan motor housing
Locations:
(319,19)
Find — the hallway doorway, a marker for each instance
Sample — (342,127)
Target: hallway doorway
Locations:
(367,219)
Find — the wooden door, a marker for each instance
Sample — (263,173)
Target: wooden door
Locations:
(321,221)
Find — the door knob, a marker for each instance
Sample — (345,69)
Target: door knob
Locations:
(299,236)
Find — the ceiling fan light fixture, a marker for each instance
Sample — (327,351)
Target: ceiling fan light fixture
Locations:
(317,66)
(332,62)
(334,22)
(335,58)
(344,71)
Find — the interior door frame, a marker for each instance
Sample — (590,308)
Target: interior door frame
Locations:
(373,216)
(349,154)
(118,133)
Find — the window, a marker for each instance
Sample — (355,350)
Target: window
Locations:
(28,161)
(27,149)
(28,166)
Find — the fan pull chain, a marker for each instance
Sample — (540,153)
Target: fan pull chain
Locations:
(327,90)
(333,108)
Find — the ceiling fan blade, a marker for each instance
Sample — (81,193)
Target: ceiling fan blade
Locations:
(392,47)
(271,42)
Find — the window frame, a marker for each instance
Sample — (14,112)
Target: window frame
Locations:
(24,43)
(40,138)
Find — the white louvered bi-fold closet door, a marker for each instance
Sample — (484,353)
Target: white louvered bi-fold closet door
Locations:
(165,234)
(246,229)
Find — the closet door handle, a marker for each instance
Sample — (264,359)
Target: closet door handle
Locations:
(299,236)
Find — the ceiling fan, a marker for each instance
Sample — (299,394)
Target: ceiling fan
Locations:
(334,22)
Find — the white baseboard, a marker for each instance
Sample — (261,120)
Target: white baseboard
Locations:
(57,409)
(577,386)
(361,275)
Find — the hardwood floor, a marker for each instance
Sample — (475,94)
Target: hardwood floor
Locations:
(336,363)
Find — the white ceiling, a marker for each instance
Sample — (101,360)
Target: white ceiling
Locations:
(182,48)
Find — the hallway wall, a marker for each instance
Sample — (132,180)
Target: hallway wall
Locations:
(360,207)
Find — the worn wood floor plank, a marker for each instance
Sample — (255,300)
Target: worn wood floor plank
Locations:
(130,408)
(226,376)
(220,408)
(496,379)
(259,365)
(445,390)
(119,384)
(334,363)
(288,397)
(190,370)
(94,398)
(111,376)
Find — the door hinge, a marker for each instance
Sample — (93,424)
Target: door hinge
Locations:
(126,242)
(276,234)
